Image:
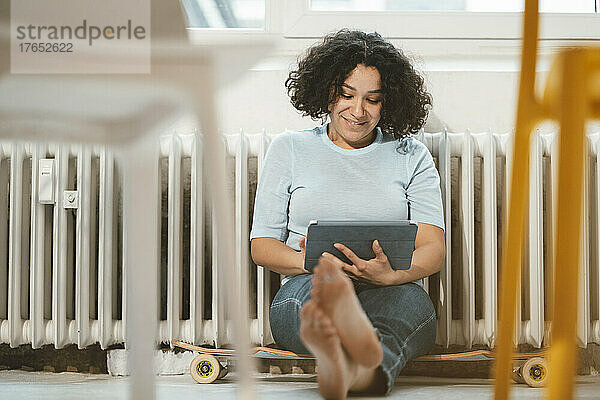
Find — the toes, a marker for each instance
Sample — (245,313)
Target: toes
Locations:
(307,310)
(314,292)
(325,266)
(324,323)
(327,271)
(314,318)
(317,320)
(318,315)
(315,283)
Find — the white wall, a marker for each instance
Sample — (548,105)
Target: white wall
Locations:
(476,100)
(474,84)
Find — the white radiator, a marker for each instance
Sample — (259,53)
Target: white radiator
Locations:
(62,274)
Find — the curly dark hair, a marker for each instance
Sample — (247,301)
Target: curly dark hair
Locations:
(323,68)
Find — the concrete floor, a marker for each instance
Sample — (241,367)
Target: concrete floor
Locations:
(66,385)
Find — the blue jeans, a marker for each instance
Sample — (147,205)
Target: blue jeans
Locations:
(403,317)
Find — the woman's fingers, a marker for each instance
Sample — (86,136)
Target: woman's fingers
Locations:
(333,259)
(351,271)
(352,276)
(302,244)
(357,261)
(378,250)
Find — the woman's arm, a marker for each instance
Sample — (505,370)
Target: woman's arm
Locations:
(427,259)
(277,256)
(270,219)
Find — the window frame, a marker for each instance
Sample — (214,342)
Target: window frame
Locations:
(302,22)
(456,41)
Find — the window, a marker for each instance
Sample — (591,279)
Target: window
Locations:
(224,14)
(428,27)
(553,6)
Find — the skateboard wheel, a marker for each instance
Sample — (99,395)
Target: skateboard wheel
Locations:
(223,373)
(517,377)
(205,368)
(535,372)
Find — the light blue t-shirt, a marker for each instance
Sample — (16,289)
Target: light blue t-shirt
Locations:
(307,177)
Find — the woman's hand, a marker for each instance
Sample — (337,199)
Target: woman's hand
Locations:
(302,245)
(377,271)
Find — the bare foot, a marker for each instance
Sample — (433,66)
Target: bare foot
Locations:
(336,371)
(334,294)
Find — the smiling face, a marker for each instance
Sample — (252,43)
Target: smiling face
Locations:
(357,111)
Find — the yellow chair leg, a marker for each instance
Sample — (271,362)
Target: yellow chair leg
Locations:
(511,260)
(571,96)
(566,257)
(529,113)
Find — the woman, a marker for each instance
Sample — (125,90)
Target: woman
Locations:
(361,165)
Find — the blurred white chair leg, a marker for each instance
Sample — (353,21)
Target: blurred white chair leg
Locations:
(141,253)
(237,295)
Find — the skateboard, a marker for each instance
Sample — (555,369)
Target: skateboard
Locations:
(531,368)
(206,368)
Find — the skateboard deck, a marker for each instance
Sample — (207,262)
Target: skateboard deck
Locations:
(531,368)
(260,352)
(475,355)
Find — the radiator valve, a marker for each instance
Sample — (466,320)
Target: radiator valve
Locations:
(71,199)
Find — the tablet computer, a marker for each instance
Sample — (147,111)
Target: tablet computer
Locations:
(397,238)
